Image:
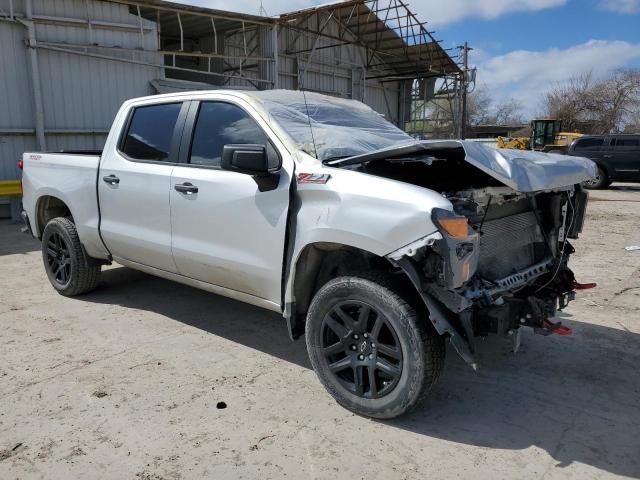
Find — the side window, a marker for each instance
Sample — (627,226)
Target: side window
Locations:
(628,143)
(219,124)
(588,144)
(150,132)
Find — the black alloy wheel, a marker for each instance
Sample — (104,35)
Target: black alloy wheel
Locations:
(362,349)
(58,260)
(372,350)
(69,269)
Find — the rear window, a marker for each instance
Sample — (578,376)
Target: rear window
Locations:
(627,143)
(588,144)
(150,132)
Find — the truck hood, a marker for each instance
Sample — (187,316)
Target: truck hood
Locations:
(523,171)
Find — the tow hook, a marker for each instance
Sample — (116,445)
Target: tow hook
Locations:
(583,286)
(550,328)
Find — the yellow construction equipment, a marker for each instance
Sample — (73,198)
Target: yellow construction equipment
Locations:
(546,136)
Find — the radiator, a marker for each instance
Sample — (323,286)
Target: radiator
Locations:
(507,245)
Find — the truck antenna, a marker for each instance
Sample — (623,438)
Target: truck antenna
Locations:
(313,139)
(306,106)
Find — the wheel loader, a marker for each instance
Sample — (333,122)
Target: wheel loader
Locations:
(546,136)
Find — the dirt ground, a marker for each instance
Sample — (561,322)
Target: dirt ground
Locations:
(128,383)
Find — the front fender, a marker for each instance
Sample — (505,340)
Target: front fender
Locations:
(372,213)
(362,211)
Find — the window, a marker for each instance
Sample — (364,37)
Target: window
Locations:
(221,124)
(150,132)
(588,144)
(628,143)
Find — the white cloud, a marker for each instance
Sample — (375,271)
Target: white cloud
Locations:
(435,12)
(621,6)
(439,12)
(273,7)
(523,74)
(526,75)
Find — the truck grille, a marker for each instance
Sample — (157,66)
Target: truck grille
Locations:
(507,245)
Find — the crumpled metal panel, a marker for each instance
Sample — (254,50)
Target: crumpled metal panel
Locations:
(528,171)
(524,171)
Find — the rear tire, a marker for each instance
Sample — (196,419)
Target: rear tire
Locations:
(70,270)
(397,358)
(600,181)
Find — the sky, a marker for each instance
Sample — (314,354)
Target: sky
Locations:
(521,48)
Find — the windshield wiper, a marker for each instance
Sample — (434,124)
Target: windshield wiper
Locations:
(333,159)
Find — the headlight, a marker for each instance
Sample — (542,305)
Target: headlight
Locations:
(453,225)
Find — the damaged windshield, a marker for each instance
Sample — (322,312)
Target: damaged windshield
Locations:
(339,128)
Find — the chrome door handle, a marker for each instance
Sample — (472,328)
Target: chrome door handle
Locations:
(111,179)
(187,188)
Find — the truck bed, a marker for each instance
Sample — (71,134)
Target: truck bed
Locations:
(70,176)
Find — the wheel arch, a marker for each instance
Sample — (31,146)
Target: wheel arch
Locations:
(603,166)
(319,262)
(47,208)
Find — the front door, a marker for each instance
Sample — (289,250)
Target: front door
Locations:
(228,227)
(134,184)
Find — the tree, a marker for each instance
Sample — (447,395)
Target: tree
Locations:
(600,106)
(478,106)
(482,110)
(508,112)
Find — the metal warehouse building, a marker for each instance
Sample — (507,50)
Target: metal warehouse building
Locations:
(67,65)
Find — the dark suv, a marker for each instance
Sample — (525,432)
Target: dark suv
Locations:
(617,156)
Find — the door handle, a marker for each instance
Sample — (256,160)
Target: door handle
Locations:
(111,179)
(187,188)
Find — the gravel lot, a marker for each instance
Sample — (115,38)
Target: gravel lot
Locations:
(128,383)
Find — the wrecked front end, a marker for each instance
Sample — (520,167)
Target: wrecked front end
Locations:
(508,270)
(499,258)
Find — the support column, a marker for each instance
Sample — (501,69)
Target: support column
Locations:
(35,76)
(276,55)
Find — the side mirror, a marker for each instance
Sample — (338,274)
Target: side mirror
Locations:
(248,159)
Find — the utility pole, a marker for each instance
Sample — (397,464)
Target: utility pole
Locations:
(465,86)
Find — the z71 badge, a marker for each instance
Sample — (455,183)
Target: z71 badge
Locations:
(313,177)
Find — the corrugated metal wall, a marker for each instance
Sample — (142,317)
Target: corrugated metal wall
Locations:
(16,99)
(80,94)
(339,70)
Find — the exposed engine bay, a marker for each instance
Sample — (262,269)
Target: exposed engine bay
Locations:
(499,261)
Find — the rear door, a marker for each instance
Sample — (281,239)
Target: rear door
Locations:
(625,157)
(134,183)
(229,229)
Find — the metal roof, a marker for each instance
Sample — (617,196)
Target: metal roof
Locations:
(196,21)
(402,44)
(392,31)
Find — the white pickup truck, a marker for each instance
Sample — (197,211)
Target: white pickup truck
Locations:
(377,247)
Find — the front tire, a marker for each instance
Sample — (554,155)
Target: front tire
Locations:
(70,270)
(600,181)
(397,358)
